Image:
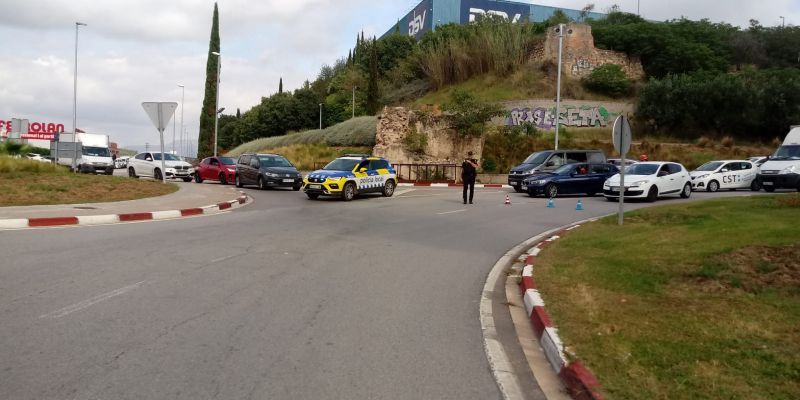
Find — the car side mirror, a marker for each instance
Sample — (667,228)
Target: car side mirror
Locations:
(362,170)
(148,159)
(550,164)
(723,170)
(662,173)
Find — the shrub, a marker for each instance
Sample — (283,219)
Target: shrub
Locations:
(415,141)
(727,141)
(608,79)
(704,142)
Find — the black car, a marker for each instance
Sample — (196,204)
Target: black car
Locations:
(267,171)
(549,160)
(575,178)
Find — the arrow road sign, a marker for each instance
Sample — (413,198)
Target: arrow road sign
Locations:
(160,113)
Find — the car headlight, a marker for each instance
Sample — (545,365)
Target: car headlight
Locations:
(335,179)
(792,169)
(702,176)
(271,175)
(539,182)
(170,169)
(639,183)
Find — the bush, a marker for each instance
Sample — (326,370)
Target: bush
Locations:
(415,141)
(608,79)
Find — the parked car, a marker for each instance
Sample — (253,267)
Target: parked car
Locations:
(782,169)
(121,162)
(267,171)
(570,179)
(351,175)
(651,180)
(725,174)
(37,157)
(758,160)
(222,169)
(548,161)
(149,165)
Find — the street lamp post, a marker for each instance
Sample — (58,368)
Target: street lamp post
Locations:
(183,98)
(320,116)
(75,100)
(558,85)
(216,103)
(783,21)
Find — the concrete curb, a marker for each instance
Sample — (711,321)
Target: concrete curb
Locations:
(444,185)
(23,223)
(578,380)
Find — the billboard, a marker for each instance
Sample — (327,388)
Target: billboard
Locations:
(471,10)
(419,20)
(36,130)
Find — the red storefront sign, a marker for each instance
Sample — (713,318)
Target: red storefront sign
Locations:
(36,130)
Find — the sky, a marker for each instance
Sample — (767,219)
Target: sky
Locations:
(132,51)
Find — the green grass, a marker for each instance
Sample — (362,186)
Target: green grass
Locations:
(683,302)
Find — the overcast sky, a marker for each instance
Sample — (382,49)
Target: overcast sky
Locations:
(141,50)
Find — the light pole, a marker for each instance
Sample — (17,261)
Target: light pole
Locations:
(320,116)
(783,21)
(354,101)
(75,100)
(558,85)
(216,103)
(183,98)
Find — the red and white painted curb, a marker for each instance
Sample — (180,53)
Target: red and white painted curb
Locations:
(444,185)
(579,381)
(22,223)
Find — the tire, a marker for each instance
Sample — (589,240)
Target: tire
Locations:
(687,191)
(132,173)
(110,172)
(769,189)
(187,180)
(518,189)
(157,174)
(197,178)
(261,184)
(551,190)
(388,188)
(755,186)
(222,180)
(349,191)
(713,186)
(652,194)
(312,196)
(238,181)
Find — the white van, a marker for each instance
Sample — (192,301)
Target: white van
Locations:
(782,169)
(95,156)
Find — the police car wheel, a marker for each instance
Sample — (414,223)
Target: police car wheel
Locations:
(312,196)
(713,186)
(388,188)
(349,191)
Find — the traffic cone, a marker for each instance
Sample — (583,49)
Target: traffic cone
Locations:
(550,203)
(579,206)
(508,200)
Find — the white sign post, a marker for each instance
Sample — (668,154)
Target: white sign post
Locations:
(621,137)
(160,113)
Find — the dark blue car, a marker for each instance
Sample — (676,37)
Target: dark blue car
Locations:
(575,178)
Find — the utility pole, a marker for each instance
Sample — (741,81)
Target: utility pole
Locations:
(558,85)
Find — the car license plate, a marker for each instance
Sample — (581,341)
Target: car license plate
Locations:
(513,183)
(766,183)
(288,180)
(615,188)
(314,187)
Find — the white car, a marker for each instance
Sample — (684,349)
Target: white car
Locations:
(149,165)
(37,157)
(121,162)
(725,174)
(651,180)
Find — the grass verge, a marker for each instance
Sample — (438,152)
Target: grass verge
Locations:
(26,182)
(697,301)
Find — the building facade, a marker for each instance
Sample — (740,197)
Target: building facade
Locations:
(429,14)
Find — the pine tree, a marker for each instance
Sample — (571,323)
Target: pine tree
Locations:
(372,84)
(238,113)
(350,57)
(280,86)
(205,142)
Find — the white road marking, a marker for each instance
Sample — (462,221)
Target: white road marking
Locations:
(451,212)
(223,258)
(89,302)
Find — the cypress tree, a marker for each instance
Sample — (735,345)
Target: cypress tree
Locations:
(238,113)
(280,86)
(350,57)
(205,142)
(372,84)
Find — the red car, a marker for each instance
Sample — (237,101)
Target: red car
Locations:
(222,169)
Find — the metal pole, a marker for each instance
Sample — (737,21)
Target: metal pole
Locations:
(637,8)
(216,104)
(174,122)
(320,116)
(783,22)
(183,98)
(558,85)
(621,187)
(75,100)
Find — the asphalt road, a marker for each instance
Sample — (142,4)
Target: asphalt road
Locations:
(286,298)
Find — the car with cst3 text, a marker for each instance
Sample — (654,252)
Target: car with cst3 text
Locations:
(222,169)
(149,165)
(267,171)
(351,175)
(725,174)
(570,179)
(651,180)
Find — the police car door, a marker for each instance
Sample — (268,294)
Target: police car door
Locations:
(381,170)
(364,177)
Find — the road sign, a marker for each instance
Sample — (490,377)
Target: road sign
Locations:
(621,135)
(160,113)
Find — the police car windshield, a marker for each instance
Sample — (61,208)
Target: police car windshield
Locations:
(537,158)
(642,169)
(227,160)
(789,152)
(709,166)
(341,164)
(274,161)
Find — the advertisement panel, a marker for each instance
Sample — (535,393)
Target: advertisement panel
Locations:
(36,130)
(471,10)
(419,20)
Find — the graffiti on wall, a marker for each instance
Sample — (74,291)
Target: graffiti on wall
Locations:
(581,66)
(576,116)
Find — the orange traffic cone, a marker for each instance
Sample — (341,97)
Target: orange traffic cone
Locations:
(508,200)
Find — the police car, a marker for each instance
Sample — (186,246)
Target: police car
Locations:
(351,175)
(725,174)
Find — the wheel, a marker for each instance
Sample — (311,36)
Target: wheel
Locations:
(769,189)
(518,189)
(238,181)
(197,177)
(261,184)
(222,179)
(551,190)
(157,174)
(312,196)
(388,188)
(110,171)
(296,188)
(652,194)
(132,173)
(349,191)
(687,191)
(189,179)
(713,186)
(755,186)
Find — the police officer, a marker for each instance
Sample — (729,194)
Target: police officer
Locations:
(469,170)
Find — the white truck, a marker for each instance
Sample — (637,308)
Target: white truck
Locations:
(95,156)
(782,169)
